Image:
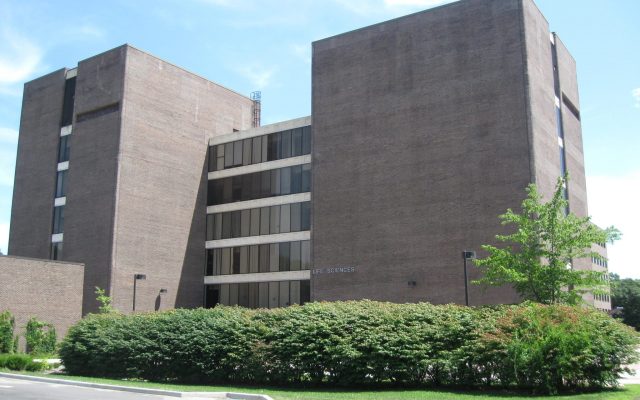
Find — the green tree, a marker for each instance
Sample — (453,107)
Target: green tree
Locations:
(105,301)
(7,326)
(625,293)
(40,337)
(536,258)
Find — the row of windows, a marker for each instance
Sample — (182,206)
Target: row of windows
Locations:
(63,149)
(602,297)
(58,219)
(599,261)
(283,218)
(68,101)
(259,294)
(275,146)
(274,257)
(258,185)
(61,179)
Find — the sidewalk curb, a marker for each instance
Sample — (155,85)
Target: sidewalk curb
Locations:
(158,392)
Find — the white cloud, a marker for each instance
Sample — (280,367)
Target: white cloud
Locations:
(613,200)
(636,96)
(259,76)
(8,135)
(7,164)
(4,237)
(19,57)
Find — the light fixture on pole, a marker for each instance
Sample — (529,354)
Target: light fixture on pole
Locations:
(136,278)
(467,255)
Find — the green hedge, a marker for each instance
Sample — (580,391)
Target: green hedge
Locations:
(541,348)
(21,362)
(7,326)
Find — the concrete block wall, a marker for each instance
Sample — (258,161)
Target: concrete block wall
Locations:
(48,290)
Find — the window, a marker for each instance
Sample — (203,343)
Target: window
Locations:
(58,219)
(68,101)
(56,251)
(61,184)
(63,148)
(274,257)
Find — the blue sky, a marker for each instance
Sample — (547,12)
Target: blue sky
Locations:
(264,45)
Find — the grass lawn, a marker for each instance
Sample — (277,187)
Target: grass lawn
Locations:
(627,393)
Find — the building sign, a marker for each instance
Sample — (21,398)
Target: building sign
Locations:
(333,270)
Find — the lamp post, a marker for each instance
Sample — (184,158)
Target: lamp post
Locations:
(467,255)
(136,278)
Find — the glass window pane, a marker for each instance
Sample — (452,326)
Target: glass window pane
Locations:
(217,262)
(296,142)
(253,259)
(295,292)
(277,137)
(227,191)
(238,191)
(243,295)
(211,227)
(253,295)
(256,186)
(246,152)
(306,178)
(284,294)
(274,262)
(228,154)
(264,258)
(286,144)
(285,254)
(265,149)
(226,225)
(237,153)
(245,221)
(224,294)
(305,292)
(275,182)
(285,180)
(295,256)
(263,295)
(274,297)
(235,223)
(306,140)
(218,226)
(60,184)
(305,216)
(296,179)
(244,259)
(285,218)
(265,183)
(63,149)
(56,251)
(256,153)
(226,261)
(255,221)
(208,270)
(212,158)
(295,217)
(264,220)
(274,226)
(58,219)
(233,294)
(305,254)
(236,260)
(212,296)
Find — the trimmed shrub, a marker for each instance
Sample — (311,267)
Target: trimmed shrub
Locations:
(541,348)
(7,325)
(40,337)
(15,362)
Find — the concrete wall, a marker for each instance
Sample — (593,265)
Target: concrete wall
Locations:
(48,290)
(169,115)
(35,177)
(93,168)
(421,140)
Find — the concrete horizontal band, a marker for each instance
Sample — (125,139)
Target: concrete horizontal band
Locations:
(266,202)
(265,166)
(59,201)
(263,130)
(71,73)
(261,277)
(254,240)
(63,166)
(66,130)
(57,238)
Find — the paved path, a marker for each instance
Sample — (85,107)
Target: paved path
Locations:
(16,389)
(632,379)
